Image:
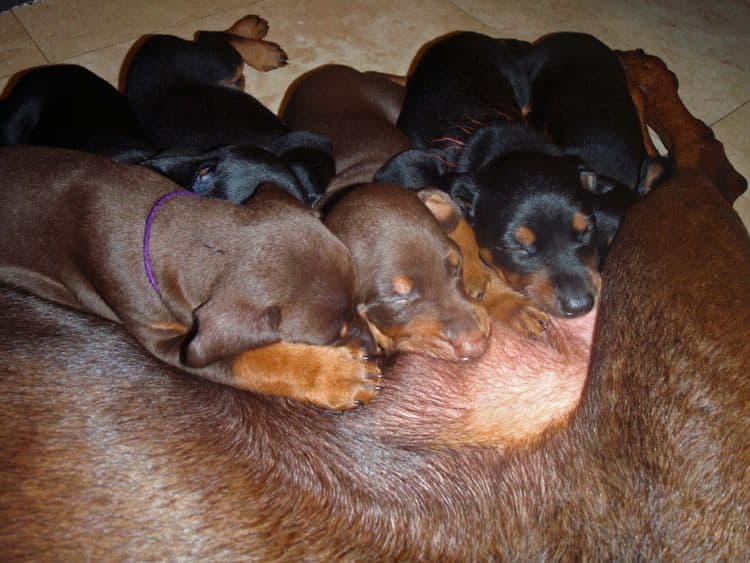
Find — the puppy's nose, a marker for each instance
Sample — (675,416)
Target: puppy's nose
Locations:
(469,345)
(576,305)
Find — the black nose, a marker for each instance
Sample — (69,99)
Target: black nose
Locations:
(575,305)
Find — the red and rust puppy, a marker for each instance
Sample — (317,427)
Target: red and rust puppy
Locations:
(646,458)
(408,272)
(212,288)
(358,111)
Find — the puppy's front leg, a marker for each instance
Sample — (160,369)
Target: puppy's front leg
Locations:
(334,378)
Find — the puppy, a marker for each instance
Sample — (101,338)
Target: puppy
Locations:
(184,95)
(358,111)
(408,272)
(407,269)
(528,202)
(69,106)
(252,296)
(580,99)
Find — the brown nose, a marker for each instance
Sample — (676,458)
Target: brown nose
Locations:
(470,345)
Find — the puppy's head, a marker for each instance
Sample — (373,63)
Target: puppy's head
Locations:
(279,275)
(408,271)
(534,223)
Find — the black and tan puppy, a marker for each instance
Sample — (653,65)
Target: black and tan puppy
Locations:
(68,106)
(528,202)
(254,296)
(580,99)
(185,95)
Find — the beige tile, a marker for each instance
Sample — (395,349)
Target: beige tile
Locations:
(17,50)
(742,206)
(67,28)
(706,44)
(732,132)
(369,36)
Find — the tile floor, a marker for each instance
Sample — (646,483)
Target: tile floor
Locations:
(706,45)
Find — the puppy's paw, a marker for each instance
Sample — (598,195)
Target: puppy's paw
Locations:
(517,312)
(261,55)
(249,27)
(343,379)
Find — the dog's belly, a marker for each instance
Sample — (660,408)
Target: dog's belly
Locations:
(520,388)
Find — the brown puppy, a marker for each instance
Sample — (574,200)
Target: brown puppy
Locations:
(408,272)
(358,112)
(206,286)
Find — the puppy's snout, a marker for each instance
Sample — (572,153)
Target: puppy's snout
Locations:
(469,337)
(576,305)
(574,294)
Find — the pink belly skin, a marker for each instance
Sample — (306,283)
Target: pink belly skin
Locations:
(518,390)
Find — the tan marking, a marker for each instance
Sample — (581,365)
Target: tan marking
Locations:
(514,309)
(525,235)
(170,326)
(580,222)
(454,258)
(259,54)
(329,377)
(476,275)
(402,285)
(249,27)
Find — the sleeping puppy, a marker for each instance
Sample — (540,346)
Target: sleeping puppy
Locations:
(185,95)
(259,296)
(408,271)
(580,99)
(528,202)
(68,106)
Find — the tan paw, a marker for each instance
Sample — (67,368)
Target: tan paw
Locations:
(261,55)
(345,380)
(249,27)
(334,378)
(519,313)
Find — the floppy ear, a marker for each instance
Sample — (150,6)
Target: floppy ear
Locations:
(442,207)
(180,168)
(464,190)
(415,168)
(499,138)
(310,157)
(654,171)
(224,331)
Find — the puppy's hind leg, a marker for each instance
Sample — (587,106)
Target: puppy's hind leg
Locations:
(249,27)
(259,54)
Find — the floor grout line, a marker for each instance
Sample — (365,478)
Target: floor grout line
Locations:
(26,31)
(739,107)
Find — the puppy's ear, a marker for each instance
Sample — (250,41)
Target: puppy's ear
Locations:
(310,158)
(442,207)
(180,168)
(224,331)
(415,168)
(464,190)
(654,171)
